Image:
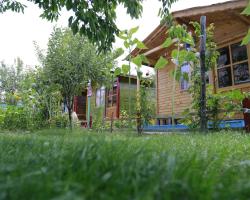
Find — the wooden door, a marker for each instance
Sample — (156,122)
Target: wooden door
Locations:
(80,105)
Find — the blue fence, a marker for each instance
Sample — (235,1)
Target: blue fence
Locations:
(180,127)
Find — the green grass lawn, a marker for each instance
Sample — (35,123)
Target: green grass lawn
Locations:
(60,165)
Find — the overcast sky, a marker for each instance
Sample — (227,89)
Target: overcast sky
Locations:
(18,31)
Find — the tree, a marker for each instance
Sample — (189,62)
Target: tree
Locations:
(131,42)
(93,18)
(246,12)
(11,76)
(71,61)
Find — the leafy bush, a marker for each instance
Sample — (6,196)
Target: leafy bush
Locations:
(125,121)
(19,118)
(220,106)
(14,118)
(60,121)
(98,123)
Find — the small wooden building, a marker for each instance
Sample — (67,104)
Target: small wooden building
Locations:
(117,98)
(114,100)
(232,71)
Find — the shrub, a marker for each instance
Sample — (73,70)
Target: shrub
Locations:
(19,118)
(98,122)
(59,120)
(13,117)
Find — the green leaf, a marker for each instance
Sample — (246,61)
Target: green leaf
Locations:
(126,44)
(140,45)
(168,42)
(125,69)
(246,39)
(189,39)
(133,30)
(144,59)
(122,35)
(137,60)
(190,57)
(118,52)
(70,20)
(246,11)
(174,54)
(161,63)
(117,71)
(185,76)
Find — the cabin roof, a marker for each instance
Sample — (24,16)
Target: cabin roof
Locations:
(222,14)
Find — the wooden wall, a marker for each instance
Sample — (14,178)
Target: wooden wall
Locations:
(230,27)
(164,94)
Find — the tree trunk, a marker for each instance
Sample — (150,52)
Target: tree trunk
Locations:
(139,115)
(70,107)
(203,117)
(70,118)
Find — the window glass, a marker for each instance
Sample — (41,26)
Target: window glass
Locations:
(239,53)
(100,97)
(224,58)
(224,77)
(112,96)
(235,70)
(241,73)
(97,99)
(185,71)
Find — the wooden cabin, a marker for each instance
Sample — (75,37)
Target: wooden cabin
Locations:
(232,71)
(117,98)
(114,100)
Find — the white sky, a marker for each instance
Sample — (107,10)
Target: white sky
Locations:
(18,31)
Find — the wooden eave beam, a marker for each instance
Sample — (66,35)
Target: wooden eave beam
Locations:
(210,9)
(242,18)
(150,38)
(156,49)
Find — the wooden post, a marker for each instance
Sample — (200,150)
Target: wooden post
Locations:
(139,115)
(89,94)
(203,117)
(111,122)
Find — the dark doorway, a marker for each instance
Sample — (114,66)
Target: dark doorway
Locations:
(246,104)
(80,106)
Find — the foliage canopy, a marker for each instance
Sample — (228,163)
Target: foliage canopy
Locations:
(71,61)
(92,18)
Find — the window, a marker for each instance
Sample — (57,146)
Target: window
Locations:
(112,95)
(233,68)
(185,72)
(100,97)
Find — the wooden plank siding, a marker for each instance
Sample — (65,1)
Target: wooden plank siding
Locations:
(230,27)
(183,99)
(164,95)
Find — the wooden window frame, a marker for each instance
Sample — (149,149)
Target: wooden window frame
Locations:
(112,95)
(231,65)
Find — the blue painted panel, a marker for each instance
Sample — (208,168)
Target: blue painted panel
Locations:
(180,127)
(165,127)
(230,124)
